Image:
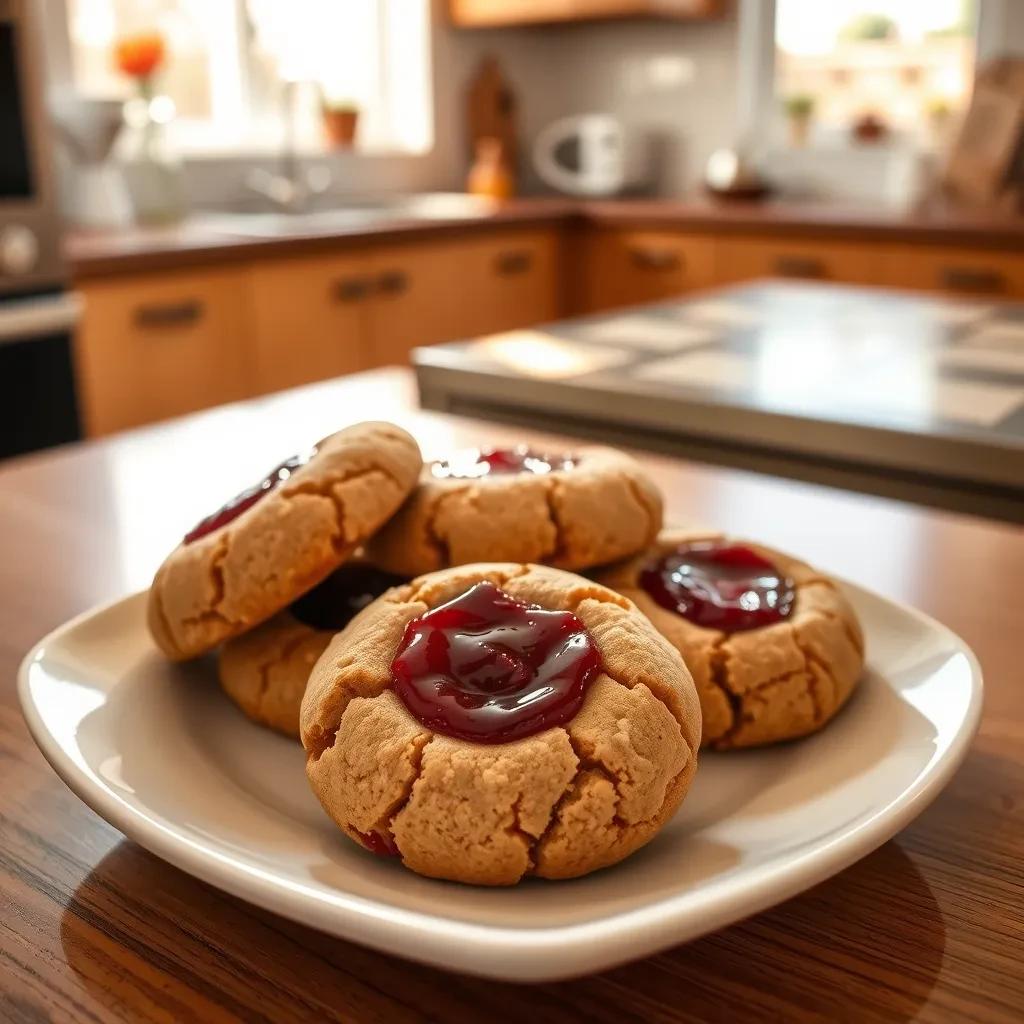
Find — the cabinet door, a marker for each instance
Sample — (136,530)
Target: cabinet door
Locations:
(419,295)
(514,280)
(742,259)
(156,345)
(518,12)
(311,318)
(509,12)
(622,268)
(974,272)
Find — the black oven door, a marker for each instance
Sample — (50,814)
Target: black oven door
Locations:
(15,172)
(38,406)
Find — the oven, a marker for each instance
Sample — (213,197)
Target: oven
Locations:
(37,314)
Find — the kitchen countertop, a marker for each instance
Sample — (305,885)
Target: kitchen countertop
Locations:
(914,395)
(208,238)
(205,238)
(925,928)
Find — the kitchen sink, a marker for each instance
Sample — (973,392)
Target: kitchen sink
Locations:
(328,214)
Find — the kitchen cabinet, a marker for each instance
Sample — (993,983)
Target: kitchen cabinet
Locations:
(415,292)
(156,345)
(310,318)
(159,343)
(954,270)
(428,292)
(476,13)
(742,259)
(513,279)
(627,267)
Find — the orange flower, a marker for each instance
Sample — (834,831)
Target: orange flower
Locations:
(139,55)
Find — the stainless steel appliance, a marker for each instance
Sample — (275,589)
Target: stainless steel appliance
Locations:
(37,395)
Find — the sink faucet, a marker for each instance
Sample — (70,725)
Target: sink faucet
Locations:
(291,186)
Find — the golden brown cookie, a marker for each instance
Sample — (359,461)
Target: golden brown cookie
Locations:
(592,773)
(573,510)
(250,559)
(265,671)
(763,682)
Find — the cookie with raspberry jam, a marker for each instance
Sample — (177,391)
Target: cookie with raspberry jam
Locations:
(265,671)
(272,543)
(774,647)
(572,509)
(493,721)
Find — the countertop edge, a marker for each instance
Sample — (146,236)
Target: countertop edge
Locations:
(94,255)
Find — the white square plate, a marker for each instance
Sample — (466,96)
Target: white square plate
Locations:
(161,754)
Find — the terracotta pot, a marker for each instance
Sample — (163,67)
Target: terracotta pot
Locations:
(340,127)
(799,129)
(870,128)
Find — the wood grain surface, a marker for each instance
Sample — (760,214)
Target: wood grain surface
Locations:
(92,928)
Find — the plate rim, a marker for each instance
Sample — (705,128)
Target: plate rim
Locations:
(525,953)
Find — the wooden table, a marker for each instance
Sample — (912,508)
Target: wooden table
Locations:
(92,928)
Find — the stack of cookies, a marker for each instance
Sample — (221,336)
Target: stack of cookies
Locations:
(467,701)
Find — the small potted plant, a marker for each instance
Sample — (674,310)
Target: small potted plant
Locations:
(799,112)
(869,128)
(340,120)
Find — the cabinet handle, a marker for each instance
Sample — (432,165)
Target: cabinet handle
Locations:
(350,289)
(515,261)
(393,282)
(655,259)
(169,314)
(973,279)
(800,266)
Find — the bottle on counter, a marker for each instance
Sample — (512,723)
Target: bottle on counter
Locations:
(490,174)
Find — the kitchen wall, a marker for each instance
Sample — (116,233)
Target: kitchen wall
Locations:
(673,83)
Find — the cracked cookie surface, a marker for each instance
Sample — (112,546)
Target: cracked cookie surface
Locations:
(265,671)
(762,685)
(559,803)
(229,580)
(603,508)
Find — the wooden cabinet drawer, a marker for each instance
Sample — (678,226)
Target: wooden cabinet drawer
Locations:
(742,259)
(955,270)
(311,318)
(418,289)
(152,346)
(623,268)
(443,290)
(513,280)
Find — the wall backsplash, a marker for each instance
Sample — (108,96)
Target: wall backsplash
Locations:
(673,83)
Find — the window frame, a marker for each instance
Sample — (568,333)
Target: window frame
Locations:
(758,114)
(259,144)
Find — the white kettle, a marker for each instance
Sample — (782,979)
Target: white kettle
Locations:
(583,155)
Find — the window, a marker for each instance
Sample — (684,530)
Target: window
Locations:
(904,64)
(234,67)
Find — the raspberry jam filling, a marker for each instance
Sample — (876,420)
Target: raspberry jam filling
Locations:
(382,845)
(244,501)
(487,668)
(722,586)
(331,604)
(478,462)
